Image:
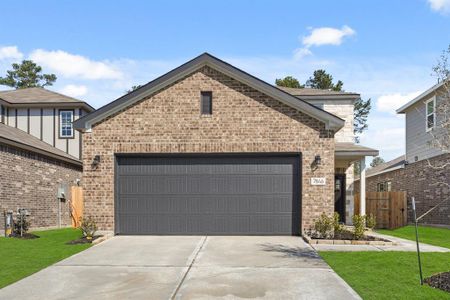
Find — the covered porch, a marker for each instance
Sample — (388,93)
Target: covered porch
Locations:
(346,155)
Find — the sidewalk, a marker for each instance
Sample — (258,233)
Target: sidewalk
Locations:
(403,245)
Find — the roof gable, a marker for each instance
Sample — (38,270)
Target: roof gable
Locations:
(331,121)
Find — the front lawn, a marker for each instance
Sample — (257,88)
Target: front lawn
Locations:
(389,275)
(21,258)
(428,235)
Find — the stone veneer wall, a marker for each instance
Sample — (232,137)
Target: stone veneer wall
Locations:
(243,120)
(418,180)
(30,180)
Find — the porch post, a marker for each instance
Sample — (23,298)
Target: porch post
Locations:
(362,187)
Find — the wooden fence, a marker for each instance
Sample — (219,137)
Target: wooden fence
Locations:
(76,205)
(389,208)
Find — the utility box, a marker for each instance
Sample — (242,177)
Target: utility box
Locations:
(62,192)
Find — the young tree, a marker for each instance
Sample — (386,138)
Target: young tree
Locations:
(290,82)
(25,75)
(377,161)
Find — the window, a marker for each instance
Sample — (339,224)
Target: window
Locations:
(65,123)
(430,114)
(384,186)
(206,103)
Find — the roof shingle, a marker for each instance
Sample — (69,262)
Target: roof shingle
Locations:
(20,138)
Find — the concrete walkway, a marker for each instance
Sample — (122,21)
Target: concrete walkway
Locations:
(403,245)
(187,267)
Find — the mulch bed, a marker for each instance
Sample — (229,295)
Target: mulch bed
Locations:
(348,235)
(83,240)
(439,281)
(25,236)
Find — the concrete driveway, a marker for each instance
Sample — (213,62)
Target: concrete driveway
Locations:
(187,267)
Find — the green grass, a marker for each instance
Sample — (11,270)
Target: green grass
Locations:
(389,275)
(21,258)
(429,235)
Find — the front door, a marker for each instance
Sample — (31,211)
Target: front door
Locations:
(339,196)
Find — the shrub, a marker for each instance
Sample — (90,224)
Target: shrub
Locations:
(337,226)
(88,226)
(371,221)
(21,224)
(359,224)
(323,226)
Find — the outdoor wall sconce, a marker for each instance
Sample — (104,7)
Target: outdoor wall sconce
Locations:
(316,162)
(95,162)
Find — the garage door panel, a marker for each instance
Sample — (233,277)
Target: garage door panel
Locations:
(274,203)
(209,195)
(205,184)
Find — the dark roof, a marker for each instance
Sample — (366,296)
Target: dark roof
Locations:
(37,95)
(312,94)
(18,138)
(385,167)
(191,66)
(354,149)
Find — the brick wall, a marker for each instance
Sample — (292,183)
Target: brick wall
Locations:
(243,120)
(419,180)
(29,180)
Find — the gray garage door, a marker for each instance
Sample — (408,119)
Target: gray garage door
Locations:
(216,195)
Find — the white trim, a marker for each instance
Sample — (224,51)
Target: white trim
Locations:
(428,129)
(71,123)
(402,109)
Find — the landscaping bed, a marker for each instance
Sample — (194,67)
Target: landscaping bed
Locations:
(440,281)
(84,240)
(348,238)
(25,236)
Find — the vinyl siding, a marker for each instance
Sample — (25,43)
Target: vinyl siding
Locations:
(47,124)
(12,117)
(50,127)
(22,119)
(417,138)
(35,122)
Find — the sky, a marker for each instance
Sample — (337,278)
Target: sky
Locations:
(383,50)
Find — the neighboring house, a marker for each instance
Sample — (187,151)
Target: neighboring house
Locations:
(411,172)
(208,148)
(39,152)
(46,115)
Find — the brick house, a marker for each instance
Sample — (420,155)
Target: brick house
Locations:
(208,148)
(39,152)
(411,172)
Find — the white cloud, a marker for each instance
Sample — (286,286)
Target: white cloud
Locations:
(442,6)
(10,52)
(74,90)
(390,102)
(301,52)
(327,36)
(75,66)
